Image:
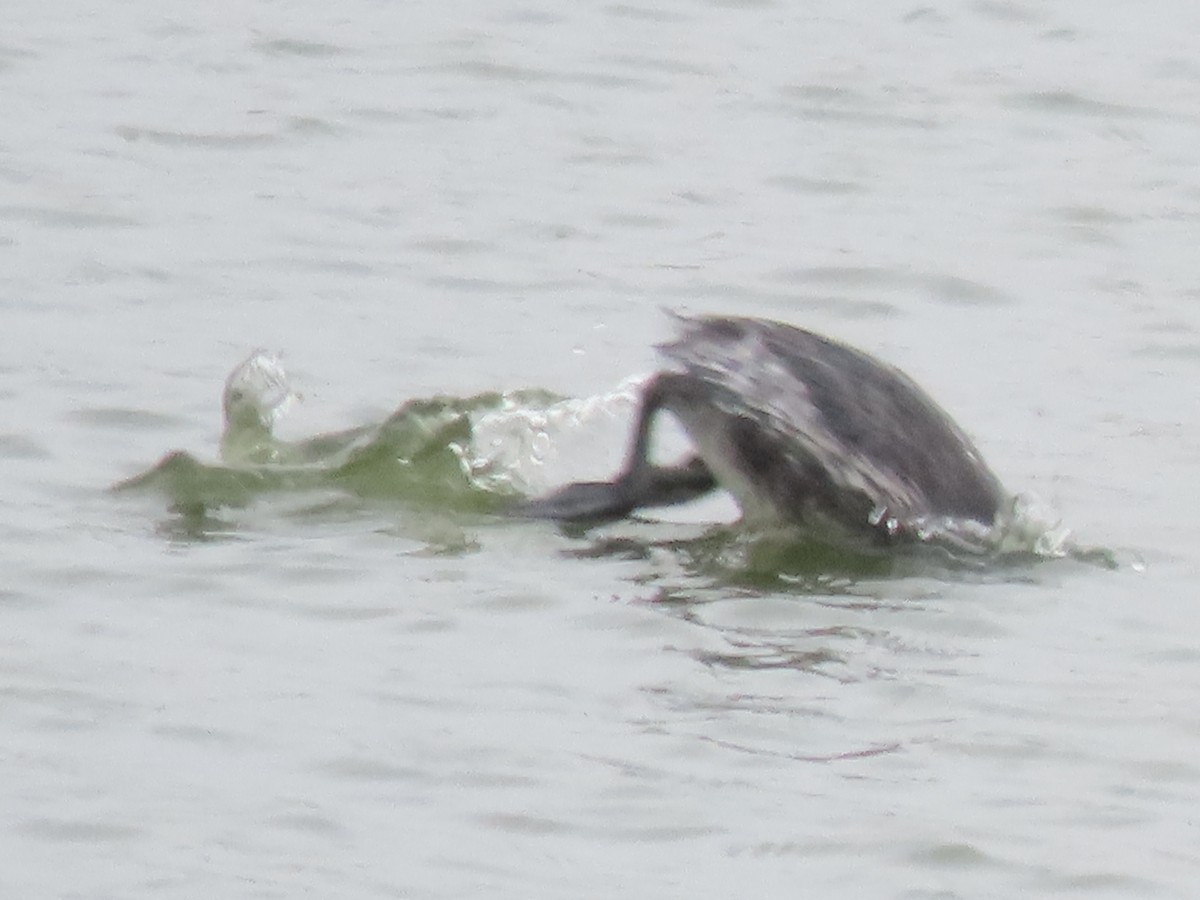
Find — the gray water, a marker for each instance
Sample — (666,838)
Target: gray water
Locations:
(323,694)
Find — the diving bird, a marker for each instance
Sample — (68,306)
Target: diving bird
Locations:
(803,431)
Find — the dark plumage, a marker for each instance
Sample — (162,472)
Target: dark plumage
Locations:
(801,430)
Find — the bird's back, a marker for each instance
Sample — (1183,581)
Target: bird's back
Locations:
(842,433)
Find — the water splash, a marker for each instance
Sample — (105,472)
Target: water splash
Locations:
(455,454)
(530,447)
(257,394)
(1031,525)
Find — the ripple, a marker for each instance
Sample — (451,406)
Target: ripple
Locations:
(523,823)
(662,65)
(451,246)
(643,13)
(1090,224)
(77,831)
(65,218)
(634,220)
(814,186)
(822,103)
(1182,352)
(357,768)
(1007,11)
(1090,215)
(333,612)
(309,125)
(122,418)
(9,55)
(953,856)
(1071,103)
(229,140)
(17,446)
(201,735)
(490,70)
(950,289)
(307,823)
(300,48)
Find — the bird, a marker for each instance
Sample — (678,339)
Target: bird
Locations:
(804,432)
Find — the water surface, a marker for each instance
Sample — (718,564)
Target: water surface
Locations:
(317,691)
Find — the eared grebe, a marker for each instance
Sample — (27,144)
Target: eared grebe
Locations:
(802,431)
